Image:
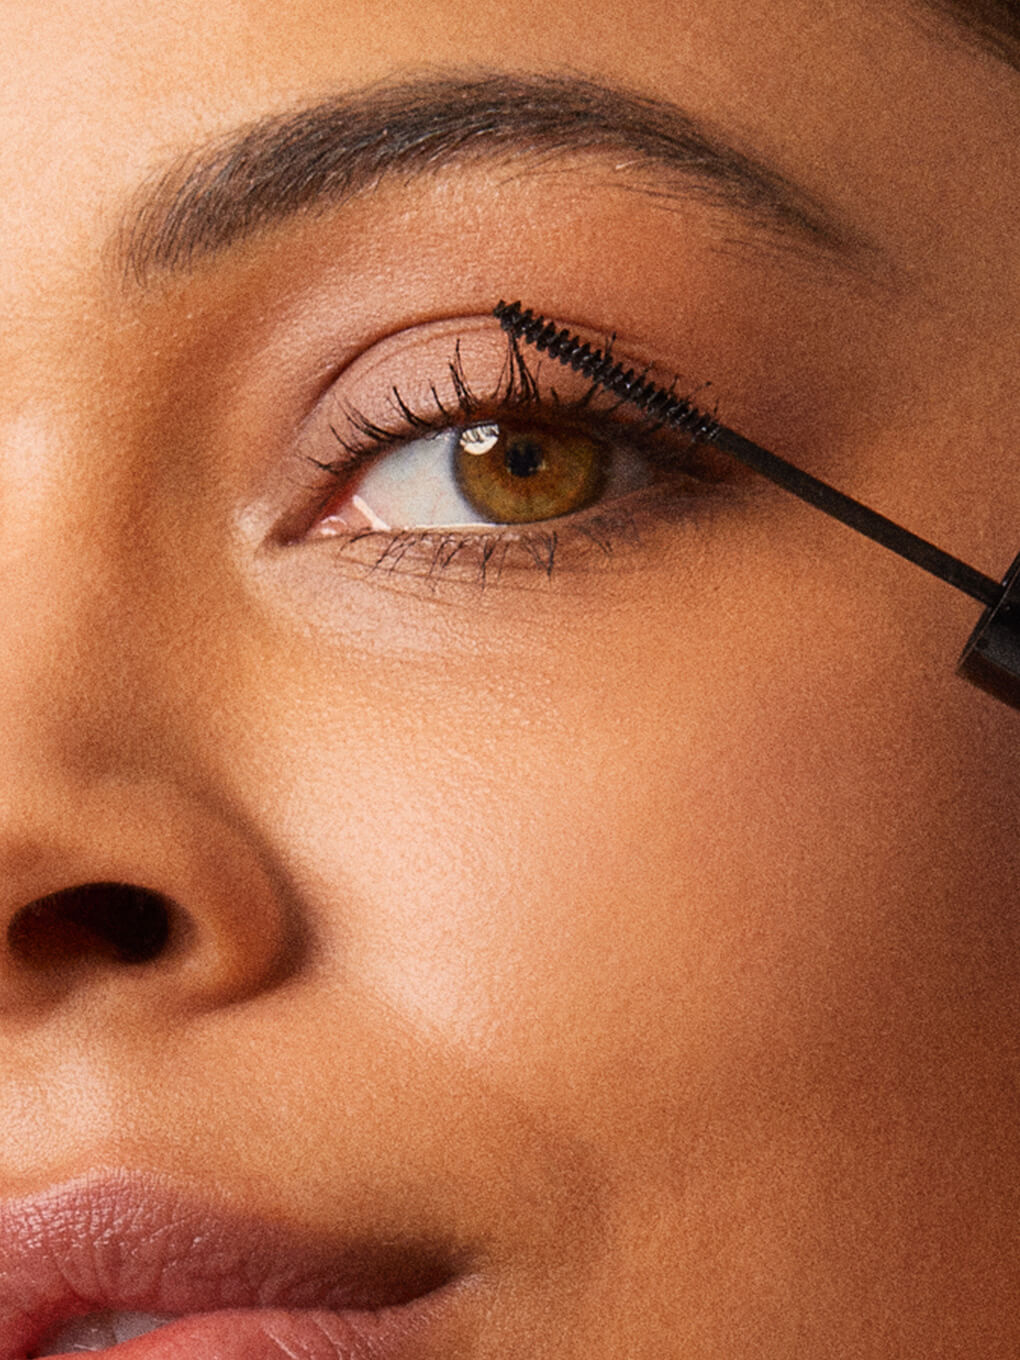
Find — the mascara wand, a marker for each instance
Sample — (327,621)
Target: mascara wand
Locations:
(991,658)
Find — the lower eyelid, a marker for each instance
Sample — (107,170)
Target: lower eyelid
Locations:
(622,536)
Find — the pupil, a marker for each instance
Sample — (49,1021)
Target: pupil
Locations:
(523,458)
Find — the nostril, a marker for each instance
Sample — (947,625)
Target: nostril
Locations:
(105,921)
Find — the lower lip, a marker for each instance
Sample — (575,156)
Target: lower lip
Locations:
(397,1333)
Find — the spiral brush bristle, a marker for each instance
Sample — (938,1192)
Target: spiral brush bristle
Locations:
(598,367)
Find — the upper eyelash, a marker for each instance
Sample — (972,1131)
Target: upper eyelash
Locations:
(516,390)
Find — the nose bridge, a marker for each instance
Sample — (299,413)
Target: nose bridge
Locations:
(63,687)
(72,615)
(85,604)
(76,626)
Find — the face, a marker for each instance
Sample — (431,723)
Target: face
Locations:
(593,915)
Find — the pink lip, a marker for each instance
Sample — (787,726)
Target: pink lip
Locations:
(241,1289)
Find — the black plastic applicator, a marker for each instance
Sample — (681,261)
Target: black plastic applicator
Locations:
(991,658)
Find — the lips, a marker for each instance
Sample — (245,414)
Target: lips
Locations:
(236,1288)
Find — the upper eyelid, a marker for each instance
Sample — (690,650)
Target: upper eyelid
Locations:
(521,385)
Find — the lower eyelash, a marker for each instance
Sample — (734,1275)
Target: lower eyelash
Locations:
(483,552)
(489,557)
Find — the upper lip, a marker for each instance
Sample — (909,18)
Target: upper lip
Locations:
(137,1242)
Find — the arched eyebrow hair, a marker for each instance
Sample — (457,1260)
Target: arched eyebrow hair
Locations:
(990,26)
(322,156)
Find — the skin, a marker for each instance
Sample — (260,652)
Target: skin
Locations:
(647,930)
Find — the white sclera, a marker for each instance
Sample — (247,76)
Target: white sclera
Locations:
(415,486)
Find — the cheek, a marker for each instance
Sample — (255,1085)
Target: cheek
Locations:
(620,885)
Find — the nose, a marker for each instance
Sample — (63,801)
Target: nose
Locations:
(130,875)
(107,920)
(137,895)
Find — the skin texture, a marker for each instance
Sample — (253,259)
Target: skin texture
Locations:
(648,930)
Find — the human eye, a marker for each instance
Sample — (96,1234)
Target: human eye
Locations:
(458,452)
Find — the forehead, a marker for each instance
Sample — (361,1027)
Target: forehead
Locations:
(906,136)
(127,83)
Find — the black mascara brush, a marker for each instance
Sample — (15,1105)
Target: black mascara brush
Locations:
(991,658)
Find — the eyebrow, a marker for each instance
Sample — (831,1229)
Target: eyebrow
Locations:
(322,156)
(988,26)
